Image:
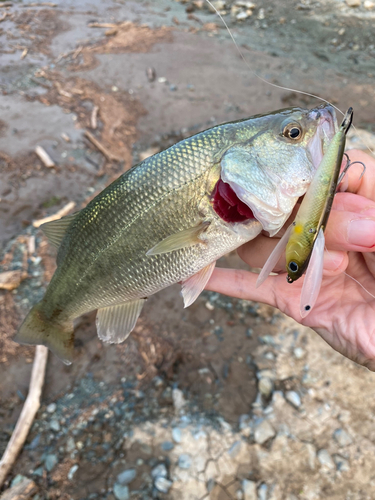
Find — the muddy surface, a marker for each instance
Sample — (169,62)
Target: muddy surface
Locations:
(185,391)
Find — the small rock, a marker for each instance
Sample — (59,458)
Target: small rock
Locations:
(245,3)
(162,484)
(299,353)
(50,462)
(249,490)
(353,3)
(72,471)
(265,386)
(176,435)
(325,459)
(51,408)
(216,4)
(126,476)
(17,480)
(70,444)
(243,14)
(263,432)
(173,87)
(54,425)
(38,472)
(293,398)
(159,471)
(342,464)
(262,492)
(162,79)
(369,5)
(178,399)
(167,446)
(184,461)
(121,492)
(151,74)
(342,437)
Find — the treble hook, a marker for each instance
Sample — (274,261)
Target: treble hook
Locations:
(348,165)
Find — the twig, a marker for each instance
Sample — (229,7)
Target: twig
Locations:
(22,491)
(101,148)
(28,412)
(44,156)
(63,211)
(24,53)
(94,116)
(6,4)
(102,25)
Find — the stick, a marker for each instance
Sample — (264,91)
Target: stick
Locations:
(94,116)
(44,156)
(28,412)
(63,211)
(22,491)
(102,149)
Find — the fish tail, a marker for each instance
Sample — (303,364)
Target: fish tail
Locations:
(57,336)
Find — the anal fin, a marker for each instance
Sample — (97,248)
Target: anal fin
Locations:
(193,286)
(115,323)
(182,239)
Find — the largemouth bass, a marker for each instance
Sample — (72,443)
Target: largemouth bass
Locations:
(168,220)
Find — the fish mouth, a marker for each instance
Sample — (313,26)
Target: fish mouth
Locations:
(327,127)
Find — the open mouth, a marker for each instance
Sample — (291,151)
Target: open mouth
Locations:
(227,204)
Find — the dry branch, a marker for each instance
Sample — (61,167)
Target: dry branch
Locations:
(101,148)
(28,412)
(94,117)
(44,156)
(21,491)
(63,211)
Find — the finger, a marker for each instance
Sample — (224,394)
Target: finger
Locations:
(241,284)
(364,185)
(351,231)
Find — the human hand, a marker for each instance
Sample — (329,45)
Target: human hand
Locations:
(344,314)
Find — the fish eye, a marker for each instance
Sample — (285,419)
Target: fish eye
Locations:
(293,267)
(292,131)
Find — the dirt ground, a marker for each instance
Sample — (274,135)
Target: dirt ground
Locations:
(226,399)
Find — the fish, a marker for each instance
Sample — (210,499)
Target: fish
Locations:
(169,218)
(303,242)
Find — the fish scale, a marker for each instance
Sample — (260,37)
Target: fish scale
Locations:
(106,257)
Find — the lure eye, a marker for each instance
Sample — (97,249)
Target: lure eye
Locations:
(293,267)
(292,131)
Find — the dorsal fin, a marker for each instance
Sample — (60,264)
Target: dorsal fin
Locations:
(56,229)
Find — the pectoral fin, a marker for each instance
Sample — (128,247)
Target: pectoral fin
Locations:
(182,239)
(193,286)
(115,323)
(313,278)
(274,257)
(56,229)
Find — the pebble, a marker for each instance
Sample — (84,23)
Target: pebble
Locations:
(167,446)
(263,432)
(243,14)
(325,459)
(38,472)
(70,444)
(162,484)
(178,399)
(265,386)
(159,471)
(126,476)
(51,408)
(184,461)
(342,437)
(72,471)
(176,435)
(54,425)
(17,480)
(216,4)
(293,398)
(121,492)
(262,492)
(369,5)
(342,464)
(249,490)
(353,3)
(299,353)
(50,462)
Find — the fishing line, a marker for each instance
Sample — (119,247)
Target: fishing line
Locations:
(274,84)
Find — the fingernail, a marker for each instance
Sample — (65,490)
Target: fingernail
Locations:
(333,260)
(361,232)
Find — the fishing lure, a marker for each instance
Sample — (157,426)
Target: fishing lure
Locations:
(303,242)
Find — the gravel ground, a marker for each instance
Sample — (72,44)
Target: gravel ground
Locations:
(225,400)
